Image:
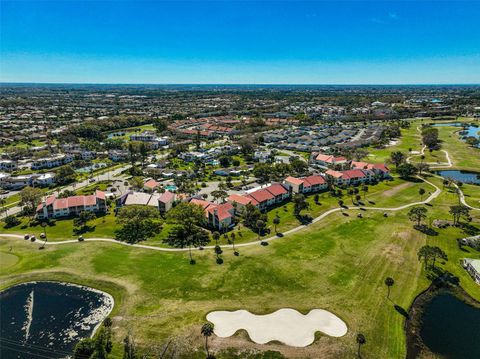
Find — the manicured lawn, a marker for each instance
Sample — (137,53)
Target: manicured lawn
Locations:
(338,264)
(472,194)
(462,155)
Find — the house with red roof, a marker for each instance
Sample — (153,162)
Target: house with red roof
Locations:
(350,177)
(165,201)
(310,184)
(219,216)
(379,169)
(150,185)
(239,201)
(53,207)
(329,160)
(278,191)
(263,197)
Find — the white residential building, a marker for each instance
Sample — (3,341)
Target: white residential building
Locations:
(51,162)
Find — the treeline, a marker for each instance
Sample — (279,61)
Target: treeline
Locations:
(94,129)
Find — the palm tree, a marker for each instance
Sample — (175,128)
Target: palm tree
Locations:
(260,225)
(360,341)
(207,331)
(421,192)
(389,282)
(232,240)
(365,190)
(276,222)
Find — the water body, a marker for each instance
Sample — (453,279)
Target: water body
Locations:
(468,131)
(451,328)
(462,176)
(46,319)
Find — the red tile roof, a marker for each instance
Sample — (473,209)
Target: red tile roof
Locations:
(315,180)
(261,195)
(243,200)
(276,189)
(151,184)
(222,210)
(294,180)
(166,197)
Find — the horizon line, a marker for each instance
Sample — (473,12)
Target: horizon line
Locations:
(235,84)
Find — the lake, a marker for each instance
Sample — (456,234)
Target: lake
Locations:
(462,176)
(46,319)
(451,328)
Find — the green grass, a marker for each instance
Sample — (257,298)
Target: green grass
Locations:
(338,264)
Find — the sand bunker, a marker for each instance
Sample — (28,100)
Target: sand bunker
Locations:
(285,325)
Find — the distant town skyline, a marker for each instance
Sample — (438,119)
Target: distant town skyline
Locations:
(220,42)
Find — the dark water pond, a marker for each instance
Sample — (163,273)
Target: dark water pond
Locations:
(47,319)
(451,328)
(462,176)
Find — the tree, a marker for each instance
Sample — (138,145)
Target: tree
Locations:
(129,351)
(397,158)
(84,348)
(207,331)
(360,341)
(160,124)
(188,218)
(182,236)
(276,221)
(365,190)
(11,221)
(421,192)
(389,282)
(422,167)
(83,218)
(136,182)
(216,237)
(219,194)
(138,223)
(251,215)
(260,226)
(430,137)
(143,151)
(431,254)
(316,198)
(188,214)
(458,212)
(417,214)
(263,171)
(30,197)
(246,146)
(65,174)
(299,204)
(232,241)
(224,161)
(406,170)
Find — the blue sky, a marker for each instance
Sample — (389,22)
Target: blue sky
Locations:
(315,42)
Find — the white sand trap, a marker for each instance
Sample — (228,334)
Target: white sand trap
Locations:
(285,325)
(415,152)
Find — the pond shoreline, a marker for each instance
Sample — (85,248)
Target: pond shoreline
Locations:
(81,318)
(413,324)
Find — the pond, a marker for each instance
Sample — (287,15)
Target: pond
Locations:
(462,176)
(91,168)
(451,328)
(46,319)
(115,134)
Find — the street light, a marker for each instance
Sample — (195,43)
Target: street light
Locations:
(44,226)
